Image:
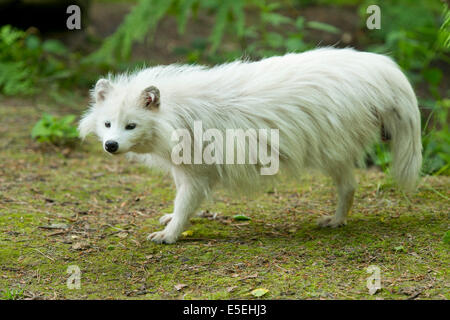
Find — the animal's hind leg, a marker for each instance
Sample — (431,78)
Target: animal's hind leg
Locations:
(346,184)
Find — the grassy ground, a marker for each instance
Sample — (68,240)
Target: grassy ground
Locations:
(80,207)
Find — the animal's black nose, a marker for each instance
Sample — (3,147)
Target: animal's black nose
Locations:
(111,146)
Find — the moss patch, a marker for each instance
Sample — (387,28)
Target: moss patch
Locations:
(80,207)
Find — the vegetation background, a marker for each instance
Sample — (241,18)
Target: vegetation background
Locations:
(64,203)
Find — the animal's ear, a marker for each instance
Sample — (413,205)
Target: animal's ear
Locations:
(150,98)
(87,124)
(102,87)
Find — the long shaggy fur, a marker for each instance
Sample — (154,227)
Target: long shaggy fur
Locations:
(328,104)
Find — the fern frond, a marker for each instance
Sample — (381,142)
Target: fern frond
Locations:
(184,8)
(444,31)
(227,9)
(142,20)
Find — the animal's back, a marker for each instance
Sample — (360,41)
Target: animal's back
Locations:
(328,104)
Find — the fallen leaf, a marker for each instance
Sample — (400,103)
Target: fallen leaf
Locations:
(187,233)
(255,275)
(180,286)
(241,217)
(80,245)
(207,214)
(55,226)
(259,292)
(122,235)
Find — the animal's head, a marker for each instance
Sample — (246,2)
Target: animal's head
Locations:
(121,118)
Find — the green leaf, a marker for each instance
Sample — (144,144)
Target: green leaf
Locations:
(40,130)
(219,26)
(183,12)
(275,40)
(33,42)
(295,44)
(300,23)
(322,26)
(275,19)
(54,46)
(66,120)
(239,15)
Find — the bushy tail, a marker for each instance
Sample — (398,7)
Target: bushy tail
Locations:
(402,123)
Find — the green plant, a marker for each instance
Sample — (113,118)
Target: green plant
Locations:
(381,156)
(409,32)
(15,75)
(417,36)
(436,139)
(54,130)
(275,33)
(446,237)
(137,24)
(27,63)
(444,31)
(11,294)
(266,36)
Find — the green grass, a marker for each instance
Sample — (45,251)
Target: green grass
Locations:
(105,207)
(11,294)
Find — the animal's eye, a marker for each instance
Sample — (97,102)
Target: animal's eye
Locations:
(130,126)
(107,124)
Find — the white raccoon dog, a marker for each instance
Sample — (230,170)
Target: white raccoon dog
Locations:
(329,106)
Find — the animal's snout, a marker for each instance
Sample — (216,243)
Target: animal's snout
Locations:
(111,146)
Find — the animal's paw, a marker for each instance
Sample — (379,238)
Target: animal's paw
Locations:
(331,221)
(162,237)
(165,219)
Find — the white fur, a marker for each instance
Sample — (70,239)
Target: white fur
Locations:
(328,104)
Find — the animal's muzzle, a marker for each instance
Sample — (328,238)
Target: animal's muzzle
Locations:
(111,146)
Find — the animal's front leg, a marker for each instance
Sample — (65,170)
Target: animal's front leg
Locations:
(187,200)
